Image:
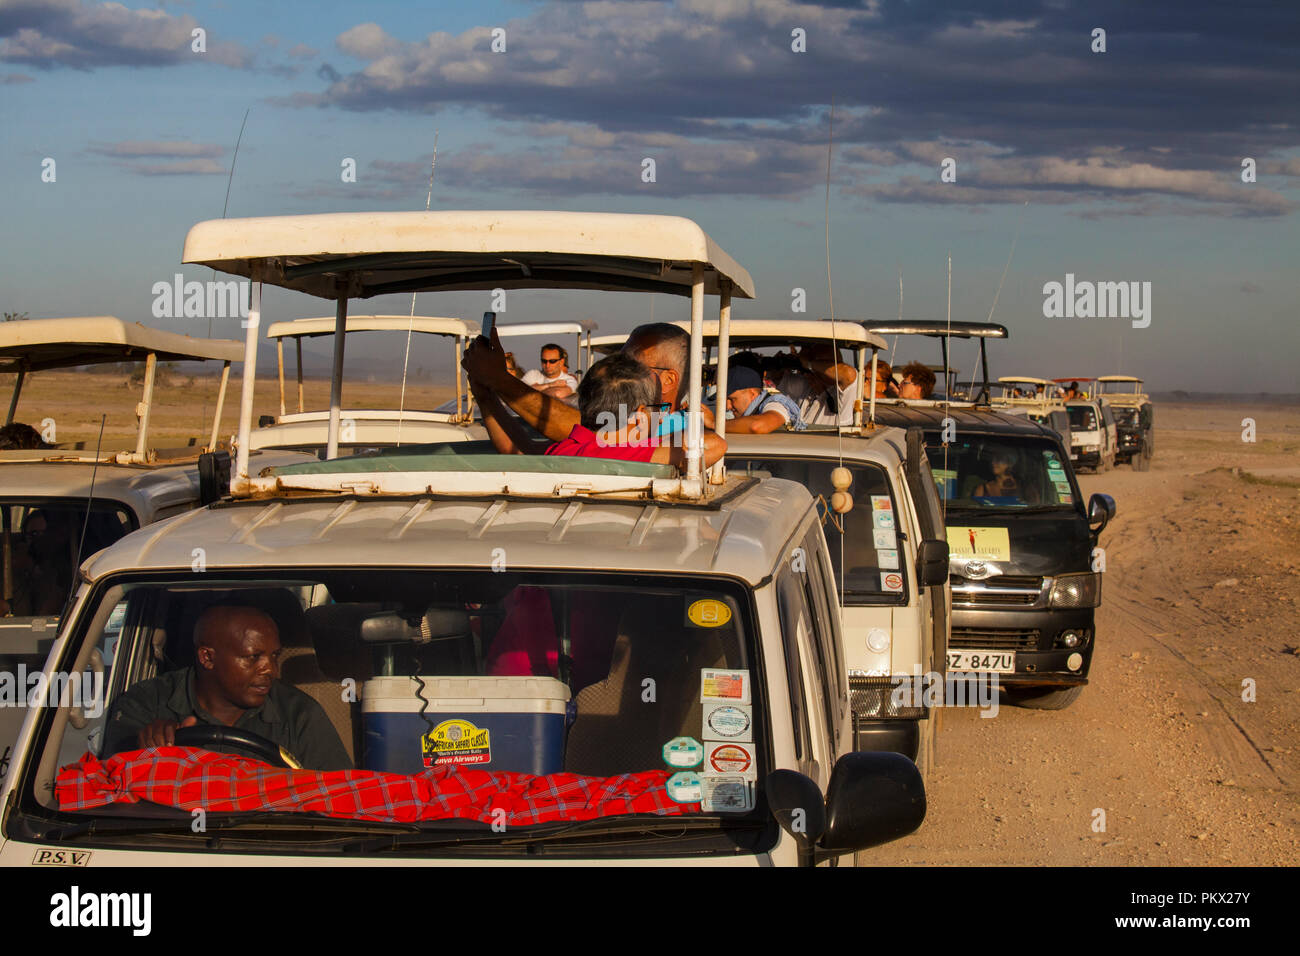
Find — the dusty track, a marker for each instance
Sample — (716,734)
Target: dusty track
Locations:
(1200,594)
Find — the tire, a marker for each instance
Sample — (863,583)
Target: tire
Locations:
(1142,462)
(1045,698)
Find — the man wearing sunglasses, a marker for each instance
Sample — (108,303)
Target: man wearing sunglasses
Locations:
(553,378)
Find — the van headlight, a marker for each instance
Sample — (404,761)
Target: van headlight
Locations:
(1076,590)
(1092,448)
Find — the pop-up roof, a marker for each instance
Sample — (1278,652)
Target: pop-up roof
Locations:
(33,345)
(345,255)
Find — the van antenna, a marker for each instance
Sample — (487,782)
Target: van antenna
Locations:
(85,524)
(224,206)
(830,295)
(1014,239)
(401,404)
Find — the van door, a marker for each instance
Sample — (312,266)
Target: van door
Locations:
(807,681)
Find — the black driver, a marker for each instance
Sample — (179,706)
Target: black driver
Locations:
(234,683)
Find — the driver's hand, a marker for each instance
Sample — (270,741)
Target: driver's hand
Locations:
(162,732)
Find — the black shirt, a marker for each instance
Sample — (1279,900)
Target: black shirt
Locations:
(287,717)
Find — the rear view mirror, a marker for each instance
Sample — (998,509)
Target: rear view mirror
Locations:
(872,798)
(797,805)
(932,562)
(1101,509)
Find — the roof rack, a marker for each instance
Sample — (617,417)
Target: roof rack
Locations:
(943,331)
(345,255)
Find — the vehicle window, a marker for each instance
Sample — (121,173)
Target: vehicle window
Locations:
(1083,418)
(1000,472)
(795,614)
(826,635)
(1126,416)
(411,672)
(864,545)
(42,545)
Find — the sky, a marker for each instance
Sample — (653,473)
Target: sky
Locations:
(1010,135)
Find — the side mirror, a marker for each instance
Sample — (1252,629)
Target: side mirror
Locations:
(214,476)
(264,420)
(797,805)
(932,562)
(872,798)
(1101,508)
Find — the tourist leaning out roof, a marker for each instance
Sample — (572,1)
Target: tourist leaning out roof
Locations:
(662,347)
(823,387)
(619,406)
(757,410)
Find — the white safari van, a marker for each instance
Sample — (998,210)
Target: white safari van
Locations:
(525,659)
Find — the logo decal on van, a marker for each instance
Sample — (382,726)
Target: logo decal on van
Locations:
(708,613)
(985,544)
(456,741)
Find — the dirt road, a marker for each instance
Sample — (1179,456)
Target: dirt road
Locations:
(1200,595)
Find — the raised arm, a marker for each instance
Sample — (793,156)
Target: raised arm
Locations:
(486,363)
(508,437)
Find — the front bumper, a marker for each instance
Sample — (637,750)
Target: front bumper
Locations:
(1032,634)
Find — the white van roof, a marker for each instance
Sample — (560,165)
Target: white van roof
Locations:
(36,344)
(546,328)
(759,332)
(385,252)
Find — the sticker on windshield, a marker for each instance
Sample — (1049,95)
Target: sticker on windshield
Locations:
(730,759)
(888,558)
(729,794)
(884,540)
(728,722)
(882,519)
(881,503)
(456,741)
(708,612)
(730,686)
(685,787)
(987,544)
(683,752)
(891,581)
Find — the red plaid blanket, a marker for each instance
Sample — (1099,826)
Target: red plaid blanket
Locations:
(193,779)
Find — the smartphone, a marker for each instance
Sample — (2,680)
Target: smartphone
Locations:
(489,320)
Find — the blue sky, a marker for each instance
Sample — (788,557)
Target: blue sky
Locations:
(1122,165)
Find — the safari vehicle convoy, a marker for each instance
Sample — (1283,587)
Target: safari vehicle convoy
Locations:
(526,658)
(62,502)
(1134,419)
(1024,588)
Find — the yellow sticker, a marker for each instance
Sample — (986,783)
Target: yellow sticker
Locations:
(987,544)
(456,741)
(708,613)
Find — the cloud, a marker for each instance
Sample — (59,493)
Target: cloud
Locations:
(13,79)
(1184,91)
(137,148)
(302,52)
(184,159)
(83,35)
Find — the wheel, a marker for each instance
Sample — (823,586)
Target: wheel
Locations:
(1045,698)
(1142,462)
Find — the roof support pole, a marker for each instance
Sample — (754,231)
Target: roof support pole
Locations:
(984,364)
(279,360)
(253,324)
(716,473)
(146,405)
(13,401)
(221,404)
(297,341)
(862,377)
(694,433)
(460,387)
(336,375)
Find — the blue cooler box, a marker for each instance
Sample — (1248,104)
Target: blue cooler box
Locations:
(482,723)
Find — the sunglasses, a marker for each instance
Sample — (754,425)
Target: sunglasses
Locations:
(554,361)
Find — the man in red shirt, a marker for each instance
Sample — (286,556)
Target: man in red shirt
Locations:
(619,406)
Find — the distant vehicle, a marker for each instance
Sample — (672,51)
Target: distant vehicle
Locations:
(1093,436)
(1037,399)
(368,429)
(1134,419)
(518,615)
(977,392)
(62,503)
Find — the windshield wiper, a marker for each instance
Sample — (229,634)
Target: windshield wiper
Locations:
(269,821)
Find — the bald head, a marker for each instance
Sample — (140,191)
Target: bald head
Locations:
(666,350)
(237,657)
(219,626)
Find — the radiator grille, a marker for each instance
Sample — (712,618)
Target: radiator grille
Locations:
(994,640)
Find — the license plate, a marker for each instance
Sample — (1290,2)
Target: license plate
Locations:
(989,662)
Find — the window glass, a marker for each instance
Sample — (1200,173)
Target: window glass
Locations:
(1001,473)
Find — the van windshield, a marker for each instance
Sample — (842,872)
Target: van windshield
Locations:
(1083,418)
(863,543)
(1000,472)
(465,708)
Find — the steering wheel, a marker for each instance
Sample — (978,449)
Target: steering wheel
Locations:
(205,735)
